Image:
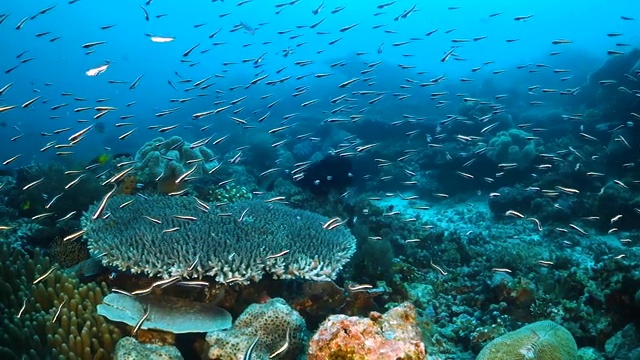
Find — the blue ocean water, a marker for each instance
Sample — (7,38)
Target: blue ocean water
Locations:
(63,63)
(437,132)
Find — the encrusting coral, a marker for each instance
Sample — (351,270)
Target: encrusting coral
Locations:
(273,323)
(542,340)
(163,236)
(28,312)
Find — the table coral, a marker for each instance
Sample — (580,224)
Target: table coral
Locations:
(392,336)
(238,242)
(271,322)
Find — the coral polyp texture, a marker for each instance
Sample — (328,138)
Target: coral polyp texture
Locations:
(170,236)
(280,330)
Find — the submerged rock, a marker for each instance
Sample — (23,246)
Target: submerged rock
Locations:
(392,336)
(274,323)
(622,344)
(168,314)
(129,348)
(542,340)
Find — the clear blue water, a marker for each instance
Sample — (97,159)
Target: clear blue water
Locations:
(63,63)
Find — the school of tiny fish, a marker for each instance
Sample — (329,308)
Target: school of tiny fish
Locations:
(421,108)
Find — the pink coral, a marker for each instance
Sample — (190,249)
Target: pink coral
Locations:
(393,336)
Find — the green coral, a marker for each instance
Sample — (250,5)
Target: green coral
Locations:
(542,340)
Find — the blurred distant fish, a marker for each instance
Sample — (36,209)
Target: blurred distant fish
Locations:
(190,50)
(146,14)
(21,23)
(135,82)
(523,17)
(5,88)
(406,13)
(248,28)
(97,71)
(384,5)
(92,44)
(316,11)
(162,39)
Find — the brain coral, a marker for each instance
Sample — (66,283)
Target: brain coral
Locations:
(271,322)
(542,340)
(165,235)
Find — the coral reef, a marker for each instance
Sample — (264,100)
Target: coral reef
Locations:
(229,194)
(128,185)
(543,340)
(29,311)
(166,313)
(23,231)
(129,348)
(512,146)
(68,253)
(274,323)
(166,160)
(239,242)
(394,335)
(35,201)
(624,345)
